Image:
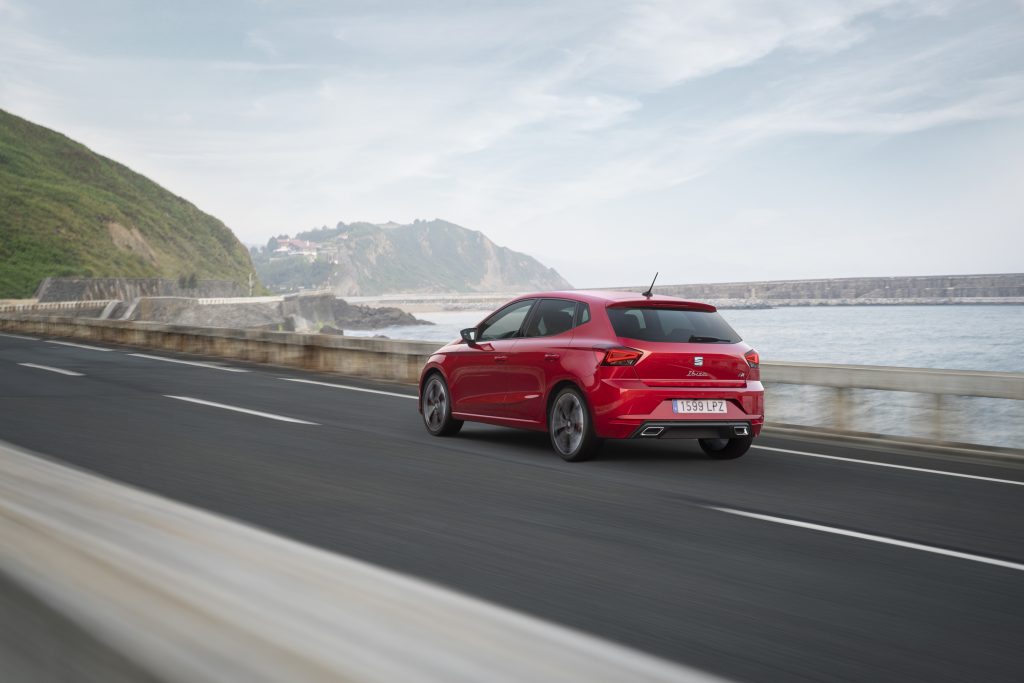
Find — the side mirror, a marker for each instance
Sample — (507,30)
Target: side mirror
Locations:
(469,335)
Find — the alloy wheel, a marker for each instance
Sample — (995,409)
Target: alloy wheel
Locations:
(567,423)
(435,404)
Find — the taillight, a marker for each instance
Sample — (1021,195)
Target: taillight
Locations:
(622,357)
(753,359)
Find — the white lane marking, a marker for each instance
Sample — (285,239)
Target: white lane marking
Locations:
(188,362)
(77,346)
(894,466)
(346,386)
(70,373)
(18,336)
(247,411)
(872,537)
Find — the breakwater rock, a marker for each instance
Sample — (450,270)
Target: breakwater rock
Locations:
(853,289)
(858,290)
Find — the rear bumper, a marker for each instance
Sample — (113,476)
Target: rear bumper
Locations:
(692,429)
(623,408)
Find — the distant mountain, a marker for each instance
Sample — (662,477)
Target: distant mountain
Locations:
(65,210)
(423,256)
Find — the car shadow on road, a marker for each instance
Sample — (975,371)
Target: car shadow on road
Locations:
(614,450)
(637,450)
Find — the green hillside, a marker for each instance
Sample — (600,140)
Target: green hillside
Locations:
(65,210)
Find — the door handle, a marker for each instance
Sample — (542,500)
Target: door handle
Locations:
(551,356)
(500,359)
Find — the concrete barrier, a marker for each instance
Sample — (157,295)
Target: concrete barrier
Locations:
(915,380)
(942,413)
(109,583)
(386,359)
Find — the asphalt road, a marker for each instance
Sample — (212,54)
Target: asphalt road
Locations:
(852,572)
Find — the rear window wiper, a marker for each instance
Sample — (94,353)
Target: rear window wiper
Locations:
(708,340)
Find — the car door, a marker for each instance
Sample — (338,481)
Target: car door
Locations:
(535,362)
(479,376)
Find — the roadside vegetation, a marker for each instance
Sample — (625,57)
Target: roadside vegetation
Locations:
(65,210)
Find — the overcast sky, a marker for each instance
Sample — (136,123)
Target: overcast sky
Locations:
(713,140)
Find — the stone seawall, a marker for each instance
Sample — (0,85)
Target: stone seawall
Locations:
(127,289)
(937,289)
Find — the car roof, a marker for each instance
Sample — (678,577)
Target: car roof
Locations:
(616,298)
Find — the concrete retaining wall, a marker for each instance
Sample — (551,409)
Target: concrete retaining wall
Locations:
(126,289)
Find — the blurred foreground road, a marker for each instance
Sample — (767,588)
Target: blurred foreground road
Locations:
(780,566)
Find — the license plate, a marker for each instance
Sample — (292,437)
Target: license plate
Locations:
(698,406)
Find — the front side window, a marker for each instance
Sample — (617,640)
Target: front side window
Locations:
(505,323)
(551,317)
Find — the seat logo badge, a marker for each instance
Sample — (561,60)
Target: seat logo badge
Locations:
(698,361)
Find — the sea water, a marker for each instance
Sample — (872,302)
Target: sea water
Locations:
(952,337)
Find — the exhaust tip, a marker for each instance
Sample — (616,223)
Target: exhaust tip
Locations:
(652,431)
(741,431)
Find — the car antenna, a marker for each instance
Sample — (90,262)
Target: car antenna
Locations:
(650,290)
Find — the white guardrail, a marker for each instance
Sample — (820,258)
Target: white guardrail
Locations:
(241,300)
(55,305)
(185,595)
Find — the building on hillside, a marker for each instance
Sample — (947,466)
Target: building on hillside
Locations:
(290,247)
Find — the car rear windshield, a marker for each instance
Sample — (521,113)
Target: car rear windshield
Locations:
(671,325)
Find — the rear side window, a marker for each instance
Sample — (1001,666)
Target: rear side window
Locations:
(551,317)
(671,325)
(582,314)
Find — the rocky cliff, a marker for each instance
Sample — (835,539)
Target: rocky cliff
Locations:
(423,256)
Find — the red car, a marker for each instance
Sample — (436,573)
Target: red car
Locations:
(586,366)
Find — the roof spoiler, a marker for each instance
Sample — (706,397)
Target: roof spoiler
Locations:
(676,304)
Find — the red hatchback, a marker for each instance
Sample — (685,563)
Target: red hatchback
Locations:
(588,366)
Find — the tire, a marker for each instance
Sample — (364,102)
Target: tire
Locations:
(571,428)
(436,406)
(725,449)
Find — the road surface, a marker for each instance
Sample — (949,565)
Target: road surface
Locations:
(804,560)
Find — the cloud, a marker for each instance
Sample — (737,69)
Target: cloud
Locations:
(503,115)
(10,8)
(259,40)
